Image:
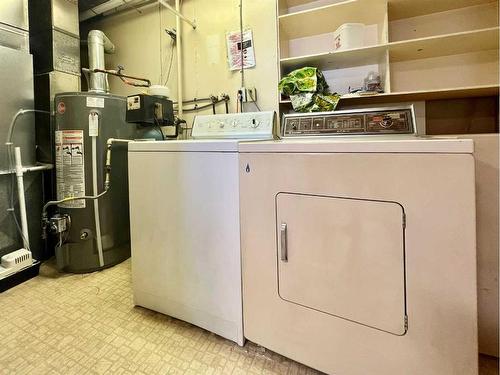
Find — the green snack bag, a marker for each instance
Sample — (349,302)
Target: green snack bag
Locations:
(326,103)
(301,102)
(308,91)
(307,79)
(310,102)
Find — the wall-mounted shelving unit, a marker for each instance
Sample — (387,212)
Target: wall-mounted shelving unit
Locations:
(423,50)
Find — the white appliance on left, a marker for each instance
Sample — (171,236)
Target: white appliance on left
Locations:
(184,219)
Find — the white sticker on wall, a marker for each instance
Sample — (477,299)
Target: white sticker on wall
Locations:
(93,124)
(94,102)
(70,167)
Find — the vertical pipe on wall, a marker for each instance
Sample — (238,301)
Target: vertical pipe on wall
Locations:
(22,200)
(98,234)
(99,44)
(178,26)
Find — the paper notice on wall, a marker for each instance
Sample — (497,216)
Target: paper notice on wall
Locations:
(234,48)
(70,167)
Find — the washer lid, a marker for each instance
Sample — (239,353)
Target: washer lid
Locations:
(229,145)
(364,144)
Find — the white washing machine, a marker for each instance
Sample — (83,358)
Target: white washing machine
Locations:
(184,217)
(359,254)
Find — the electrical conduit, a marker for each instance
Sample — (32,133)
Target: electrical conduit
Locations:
(178,26)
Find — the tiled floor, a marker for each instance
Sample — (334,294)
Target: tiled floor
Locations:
(76,324)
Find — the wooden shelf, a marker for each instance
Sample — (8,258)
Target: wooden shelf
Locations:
(399,9)
(440,45)
(328,18)
(409,96)
(445,45)
(337,60)
(443,49)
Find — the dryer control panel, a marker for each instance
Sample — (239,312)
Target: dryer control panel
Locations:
(352,122)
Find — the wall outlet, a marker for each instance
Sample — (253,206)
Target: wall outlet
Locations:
(251,94)
(248,94)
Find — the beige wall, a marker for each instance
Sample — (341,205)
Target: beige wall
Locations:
(143,47)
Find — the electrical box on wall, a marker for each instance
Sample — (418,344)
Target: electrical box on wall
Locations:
(248,94)
(150,110)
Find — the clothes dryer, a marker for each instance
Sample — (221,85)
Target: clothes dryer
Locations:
(359,253)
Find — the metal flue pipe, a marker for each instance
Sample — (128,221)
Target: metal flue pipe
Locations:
(98,44)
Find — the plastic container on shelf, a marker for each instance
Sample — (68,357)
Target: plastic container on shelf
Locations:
(373,83)
(349,36)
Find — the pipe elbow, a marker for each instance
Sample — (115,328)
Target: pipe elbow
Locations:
(109,47)
(98,37)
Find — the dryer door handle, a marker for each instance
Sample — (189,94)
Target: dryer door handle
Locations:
(283,243)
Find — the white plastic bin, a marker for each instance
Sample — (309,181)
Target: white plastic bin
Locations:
(348,36)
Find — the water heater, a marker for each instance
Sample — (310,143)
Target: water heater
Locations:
(97,233)
(92,223)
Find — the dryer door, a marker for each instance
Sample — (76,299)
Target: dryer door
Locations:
(343,257)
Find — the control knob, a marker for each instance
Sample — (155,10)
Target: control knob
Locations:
(386,122)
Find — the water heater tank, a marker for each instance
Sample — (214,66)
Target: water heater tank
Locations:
(99,233)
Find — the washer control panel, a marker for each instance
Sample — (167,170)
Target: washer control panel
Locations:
(355,122)
(247,125)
